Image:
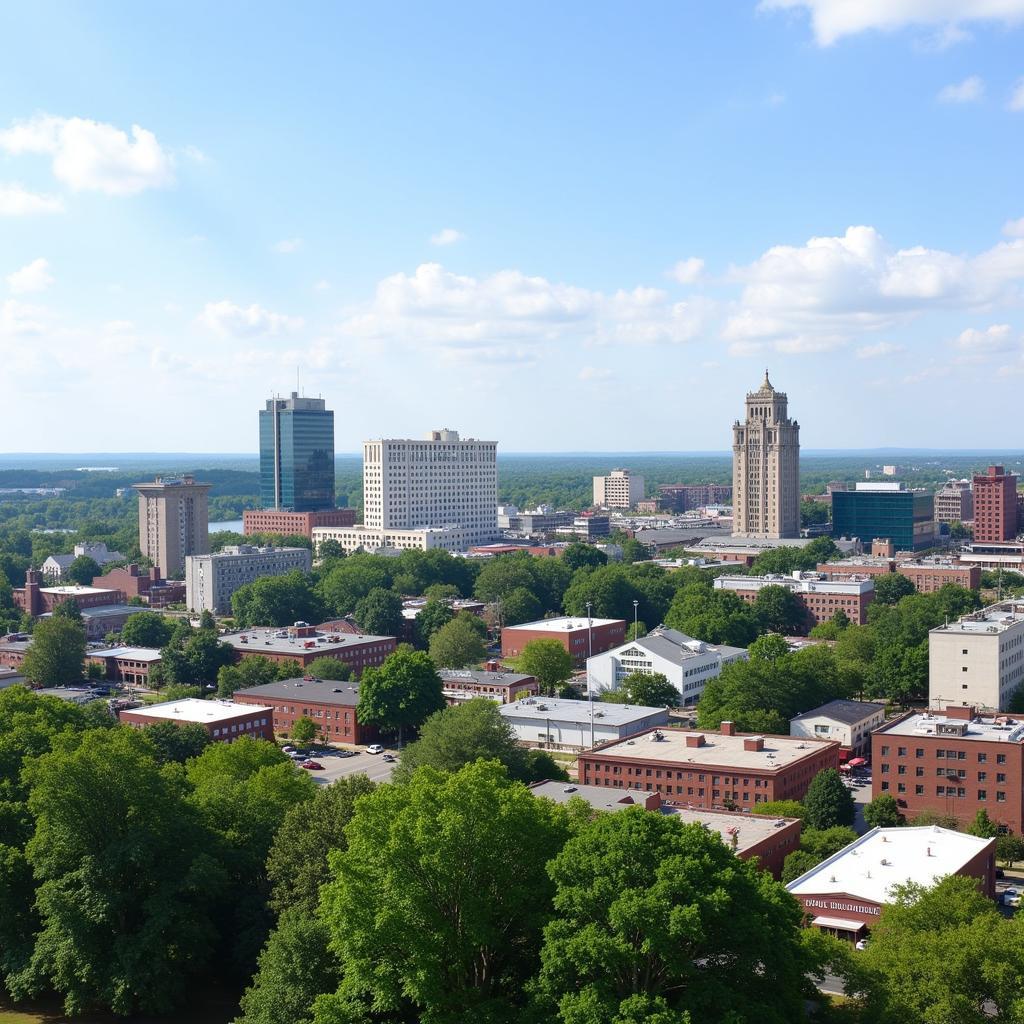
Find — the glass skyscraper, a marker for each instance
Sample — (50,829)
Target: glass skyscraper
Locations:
(297,454)
(885,511)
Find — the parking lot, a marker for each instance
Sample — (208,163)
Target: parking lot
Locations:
(373,766)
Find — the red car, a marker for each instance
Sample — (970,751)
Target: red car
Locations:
(313,766)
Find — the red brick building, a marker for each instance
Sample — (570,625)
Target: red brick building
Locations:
(927,574)
(574,633)
(304,643)
(995,506)
(294,524)
(125,664)
(504,687)
(36,599)
(331,705)
(717,771)
(224,720)
(821,598)
(146,584)
(954,763)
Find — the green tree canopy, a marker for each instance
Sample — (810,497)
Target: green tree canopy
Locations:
(83,570)
(303,730)
(714,616)
(520,606)
(431,914)
(457,643)
(380,613)
(326,668)
(892,587)
(828,801)
(548,661)
(647,689)
(579,556)
(401,693)
(57,653)
(176,741)
(146,629)
(432,616)
(254,670)
(648,924)
(778,610)
(883,812)
(780,809)
(277,601)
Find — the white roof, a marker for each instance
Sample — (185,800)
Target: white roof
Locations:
(135,653)
(565,624)
(868,868)
(74,591)
(995,618)
(578,711)
(192,709)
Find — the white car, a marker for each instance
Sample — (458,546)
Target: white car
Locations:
(375,748)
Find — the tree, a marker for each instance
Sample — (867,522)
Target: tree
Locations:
(326,668)
(547,661)
(347,582)
(939,953)
(402,692)
(813,513)
(70,610)
(883,812)
(113,835)
(636,630)
(277,601)
(432,616)
(57,653)
(430,915)
(83,570)
(542,766)
(179,691)
(1009,849)
(251,671)
(457,644)
(176,741)
(330,550)
(892,587)
(646,689)
(634,551)
(797,863)
(714,616)
(982,825)
(520,606)
(303,730)
(828,802)
(780,809)
(146,629)
(769,647)
(297,863)
(380,613)
(934,818)
(579,556)
(641,930)
(778,610)
(456,736)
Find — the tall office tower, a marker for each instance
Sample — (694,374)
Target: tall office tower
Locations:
(766,467)
(297,454)
(174,522)
(619,490)
(954,502)
(995,506)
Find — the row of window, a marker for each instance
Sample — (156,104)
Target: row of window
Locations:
(960,792)
(944,753)
(240,727)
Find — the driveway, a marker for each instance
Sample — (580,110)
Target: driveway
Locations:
(373,766)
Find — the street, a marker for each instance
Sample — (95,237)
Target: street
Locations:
(373,766)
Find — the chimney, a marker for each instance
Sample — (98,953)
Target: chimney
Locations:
(695,739)
(727,728)
(753,743)
(962,712)
(33,599)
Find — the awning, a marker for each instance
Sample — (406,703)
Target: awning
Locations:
(856,762)
(838,922)
(844,754)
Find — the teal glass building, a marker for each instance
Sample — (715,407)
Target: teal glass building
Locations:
(297,454)
(885,511)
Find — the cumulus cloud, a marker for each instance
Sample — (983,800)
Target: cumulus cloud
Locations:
(16,201)
(1016,101)
(1014,228)
(833,19)
(447,236)
(687,271)
(970,90)
(996,338)
(228,320)
(18,320)
(33,277)
(288,245)
(832,287)
(92,156)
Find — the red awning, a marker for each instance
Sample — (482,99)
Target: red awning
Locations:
(856,762)
(844,754)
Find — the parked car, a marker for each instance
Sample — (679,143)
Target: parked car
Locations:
(313,766)
(388,757)
(375,748)
(344,753)
(288,749)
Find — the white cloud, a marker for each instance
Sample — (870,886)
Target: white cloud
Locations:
(687,271)
(775,99)
(594,373)
(228,320)
(322,286)
(833,19)
(16,201)
(91,156)
(942,39)
(288,245)
(968,91)
(1016,101)
(33,277)
(447,236)
(878,349)
(996,338)
(1014,228)
(20,320)
(196,155)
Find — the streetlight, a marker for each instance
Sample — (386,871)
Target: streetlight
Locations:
(636,625)
(590,652)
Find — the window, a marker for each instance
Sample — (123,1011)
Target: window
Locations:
(919,772)
(982,776)
(919,790)
(1000,797)
(901,751)
(1000,759)
(982,758)
(885,786)
(885,769)
(982,794)
(885,751)
(1000,776)
(900,788)
(919,752)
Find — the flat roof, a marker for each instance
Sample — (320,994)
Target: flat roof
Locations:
(192,709)
(564,624)
(135,653)
(868,868)
(71,590)
(601,798)
(996,729)
(272,642)
(456,675)
(578,711)
(807,583)
(317,691)
(849,712)
(778,751)
(750,829)
(996,618)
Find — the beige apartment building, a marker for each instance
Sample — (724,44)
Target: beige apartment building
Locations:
(978,661)
(766,467)
(954,502)
(174,522)
(620,489)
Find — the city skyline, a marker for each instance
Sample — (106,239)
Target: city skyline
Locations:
(498,228)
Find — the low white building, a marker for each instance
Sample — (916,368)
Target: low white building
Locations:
(56,565)
(372,539)
(979,659)
(210,580)
(848,721)
(576,724)
(687,663)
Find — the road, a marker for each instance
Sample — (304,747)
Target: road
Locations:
(373,766)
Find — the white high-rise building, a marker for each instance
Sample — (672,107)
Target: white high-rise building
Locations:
(618,490)
(438,492)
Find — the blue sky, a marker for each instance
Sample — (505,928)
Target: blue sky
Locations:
(564,226)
